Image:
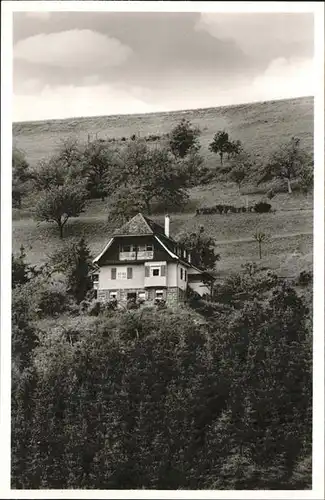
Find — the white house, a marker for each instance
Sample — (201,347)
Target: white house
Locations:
(142,262)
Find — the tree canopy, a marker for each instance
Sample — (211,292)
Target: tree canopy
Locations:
(184,138)
(286,163)
(169,400)
(58,203)
(202,248)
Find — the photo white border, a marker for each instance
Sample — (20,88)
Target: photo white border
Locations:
(8,8)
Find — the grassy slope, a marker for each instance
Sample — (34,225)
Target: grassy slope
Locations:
(260,126)
(289,249)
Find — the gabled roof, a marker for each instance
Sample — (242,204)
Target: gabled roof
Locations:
(139,225)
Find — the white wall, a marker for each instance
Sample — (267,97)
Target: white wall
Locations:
(138,277)
(172,274)
(182,284)
(106,283)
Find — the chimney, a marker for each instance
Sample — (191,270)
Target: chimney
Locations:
(167,220)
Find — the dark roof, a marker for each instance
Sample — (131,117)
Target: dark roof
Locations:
(139,225)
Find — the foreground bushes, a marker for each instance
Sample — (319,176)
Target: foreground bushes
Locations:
(168,400)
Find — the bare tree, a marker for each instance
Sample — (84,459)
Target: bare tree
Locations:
(261,238)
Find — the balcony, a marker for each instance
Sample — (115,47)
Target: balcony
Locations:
(155,281)
(127,255)
(140,255)
(145,255)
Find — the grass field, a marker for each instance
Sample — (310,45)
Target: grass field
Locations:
(261,127)
(289,249)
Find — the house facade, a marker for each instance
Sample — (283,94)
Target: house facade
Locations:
(141,262)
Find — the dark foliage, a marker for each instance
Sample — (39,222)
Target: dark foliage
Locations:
(21,176)
(183,138)
(163,400)
(224,209)
(52,303)
(262,207)
(305,278)
(202,249)
(75,261)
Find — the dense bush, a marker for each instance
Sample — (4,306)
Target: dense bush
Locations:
(262,207)
(95,308)
(24,335)
(163,400)
(52,302)
(248,285)
(305,278)
(224,209)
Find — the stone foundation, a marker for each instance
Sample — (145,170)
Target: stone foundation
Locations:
(173,295)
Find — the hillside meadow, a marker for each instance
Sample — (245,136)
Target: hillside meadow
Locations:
(260,126)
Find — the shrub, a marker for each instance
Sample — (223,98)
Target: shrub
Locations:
(84,306)
(95,308)
(52,302)
(262,207)
(111,305)
(162,400)
(132,304)
(160,303)
(305,278)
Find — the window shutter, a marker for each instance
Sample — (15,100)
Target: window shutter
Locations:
(163,271)
(146,271)
(181,271)
(129,273)
(113,273)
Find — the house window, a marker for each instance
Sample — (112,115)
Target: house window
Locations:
(155,271)
(181,271)
(128,248)
(184,254)
(95,278)
(112,295)
(142,296)
(185,274)
(124,273)
(131,296)
(159,294)
(121,274)
(145,248)
(113,273)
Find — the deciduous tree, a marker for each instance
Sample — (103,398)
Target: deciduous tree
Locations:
(202,248)
(103,166)
(21,175)
(286,163)
(183,138)
(58,203)
(75,261)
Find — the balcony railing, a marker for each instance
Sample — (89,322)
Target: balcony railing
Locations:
(128,255)
(155,281)
(140,255)
(145,254)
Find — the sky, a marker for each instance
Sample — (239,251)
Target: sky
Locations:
(71,64)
